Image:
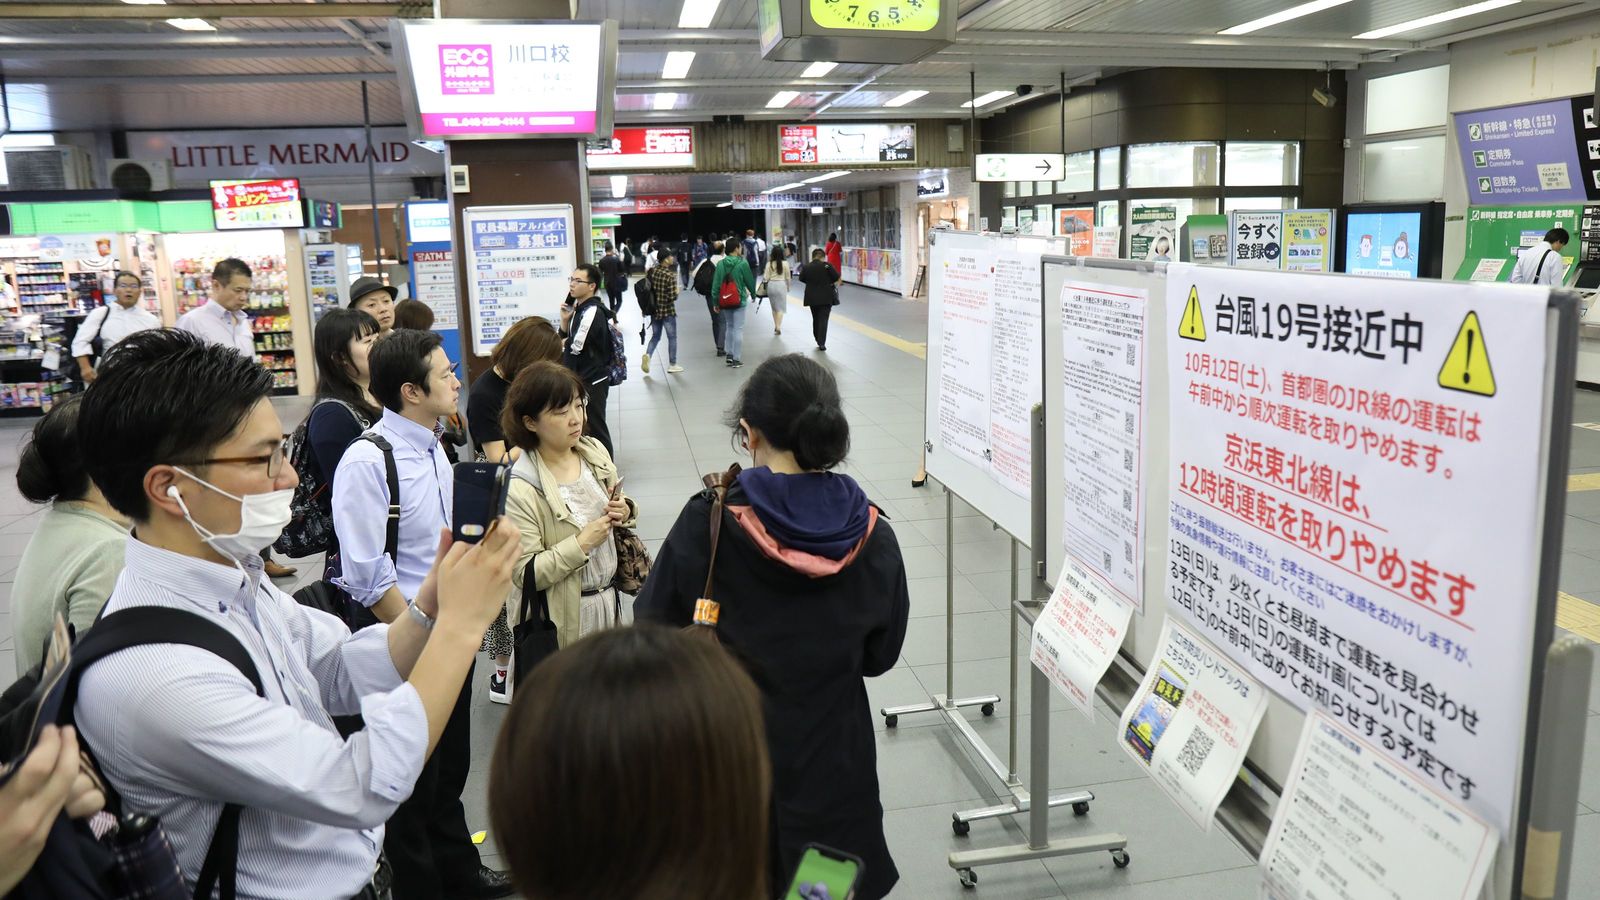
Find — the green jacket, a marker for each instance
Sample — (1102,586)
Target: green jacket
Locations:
(736,270)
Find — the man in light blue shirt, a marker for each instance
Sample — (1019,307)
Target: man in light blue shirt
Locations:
(182,439)
(428,841)
(222,319)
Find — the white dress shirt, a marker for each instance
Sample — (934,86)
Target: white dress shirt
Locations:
(1553,272)
(361,509)
(179,731)
(218,326)
(111,323)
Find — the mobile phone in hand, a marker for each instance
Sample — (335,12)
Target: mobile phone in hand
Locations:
(616,489)
(480,498)
(824,874)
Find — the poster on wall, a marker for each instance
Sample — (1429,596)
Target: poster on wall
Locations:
(1107,242)
(846,144)
(1379,244)
(1495,235)
(1308,240)
(1520,154)
(1205,240)
(1256,239)
(1586,130)
(1076,224)
(964,365)
(521,257)
(1284,534)
(1153,233)
(642,148)
(433,281)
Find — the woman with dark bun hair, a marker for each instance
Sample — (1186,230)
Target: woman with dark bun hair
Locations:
(813,598)
(73,559)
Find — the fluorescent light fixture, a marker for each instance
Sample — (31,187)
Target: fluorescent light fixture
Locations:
(146,2)
(724,204)
(619,186)
(783,187)
(1278,18)
(818,69)
(666,101)
(1426,21)
(903,99)
(782,99)
(816,178)
(698,13)
(191,25)
(986,99)
(678,63)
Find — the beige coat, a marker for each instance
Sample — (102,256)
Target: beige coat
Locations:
(550,536)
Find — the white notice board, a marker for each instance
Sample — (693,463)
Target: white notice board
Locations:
(518,261)
(1442,418)
(983,356)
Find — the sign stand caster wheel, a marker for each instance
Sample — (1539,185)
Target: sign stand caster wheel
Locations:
(1080,808)
(987,709)
(891,721)
(962,829)
(969,878)
(1120,858)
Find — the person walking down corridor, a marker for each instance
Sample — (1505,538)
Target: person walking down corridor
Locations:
(822,294)
(732,287)
(664,314)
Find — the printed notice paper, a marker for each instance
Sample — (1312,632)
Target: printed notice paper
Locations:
(1353,824)
(1191,721)
(1077,634)
(964,366)
(1102,355)
(1014,382)
(1321,439)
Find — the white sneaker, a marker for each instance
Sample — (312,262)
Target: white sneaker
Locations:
(674,369)
(644,363)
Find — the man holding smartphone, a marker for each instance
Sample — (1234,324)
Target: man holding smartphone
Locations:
(586,345)
(428,842)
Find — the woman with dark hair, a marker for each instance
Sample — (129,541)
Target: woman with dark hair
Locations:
(565,497)
(414,314)
(579,817)
(344,408)
(776,278)
(834,251)
(529,341)
(813,596)
(73,559)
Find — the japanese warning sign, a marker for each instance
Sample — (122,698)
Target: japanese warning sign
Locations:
(1354,501)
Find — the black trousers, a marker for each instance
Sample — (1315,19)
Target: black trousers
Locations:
(598,394)
(719,325)
(614,291)
(427,840)
(819,324)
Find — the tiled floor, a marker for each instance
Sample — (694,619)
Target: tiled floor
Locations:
(669,430)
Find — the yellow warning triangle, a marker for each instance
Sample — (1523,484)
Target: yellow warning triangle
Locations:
(1466,367)
(1193,325)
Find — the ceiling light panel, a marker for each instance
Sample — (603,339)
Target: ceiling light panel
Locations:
(191,25)
(818,69)
(698,13)
(903,99)
(1278,18)
(1427,21)
(677,64)
(782,99)
(986,99)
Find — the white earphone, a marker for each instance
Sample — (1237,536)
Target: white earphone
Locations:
(172,491)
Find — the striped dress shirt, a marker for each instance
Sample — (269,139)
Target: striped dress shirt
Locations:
(179,731)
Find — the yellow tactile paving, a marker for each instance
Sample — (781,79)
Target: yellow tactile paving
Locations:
(920,351)
(1578,616)
(1589,482)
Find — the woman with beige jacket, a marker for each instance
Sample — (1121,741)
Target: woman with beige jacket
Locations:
(565,496)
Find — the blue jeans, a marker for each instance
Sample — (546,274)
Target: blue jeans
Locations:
(670,326)
(734,319)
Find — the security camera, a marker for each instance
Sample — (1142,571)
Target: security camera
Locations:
(1024,90)
(1324,97)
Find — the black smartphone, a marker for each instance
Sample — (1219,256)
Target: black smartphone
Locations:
(824,874)
(480,491)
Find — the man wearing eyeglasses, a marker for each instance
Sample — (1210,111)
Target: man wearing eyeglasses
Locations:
(111,323)
(182,438)
(586,344)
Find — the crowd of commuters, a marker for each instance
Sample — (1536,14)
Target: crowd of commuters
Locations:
(170,478)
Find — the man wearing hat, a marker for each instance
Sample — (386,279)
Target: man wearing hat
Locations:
(376,299)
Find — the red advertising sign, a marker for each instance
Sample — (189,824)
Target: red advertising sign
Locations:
(643,148)
(273,203)
(797,144)
(663,203)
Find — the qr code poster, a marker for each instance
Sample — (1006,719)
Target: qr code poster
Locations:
(1191,721)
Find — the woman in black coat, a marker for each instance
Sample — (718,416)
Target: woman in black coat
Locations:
(813,598)
(822,294)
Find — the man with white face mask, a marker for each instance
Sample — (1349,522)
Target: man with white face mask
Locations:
(181,438)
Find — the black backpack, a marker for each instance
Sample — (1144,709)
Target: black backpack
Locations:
(645,295)
(310,530)
(322,594)
(702,278)
(74,863)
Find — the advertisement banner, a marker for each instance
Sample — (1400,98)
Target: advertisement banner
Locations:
(201,157)
(433,281)
(794,200)
(1256,239)
(1191,721)
(1107,241)
(663,203)
(642,148)
(507,79)
(521,257)
(1520,154)
(257,204)
(1206,240)
(1154,233)
(1379,244)
(1319,436)
(846,144)
(1496,234)
(1587,133)
(1308,240)
(1076,224)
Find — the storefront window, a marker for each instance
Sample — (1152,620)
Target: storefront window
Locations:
(1008,189)
(1251,164)
(1408,101)
(1110,168)
(1008,216)
(1406,169)
(1079,172)
(1237,203)
(1172,165)
(1107,212)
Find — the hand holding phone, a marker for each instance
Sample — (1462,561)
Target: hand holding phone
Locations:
(480,498)
(617,508)
(824,874)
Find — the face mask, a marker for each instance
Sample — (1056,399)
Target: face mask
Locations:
(262,518)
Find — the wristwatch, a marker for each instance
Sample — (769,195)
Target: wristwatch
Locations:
(421,618)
